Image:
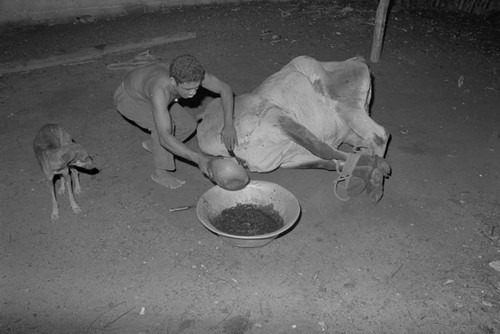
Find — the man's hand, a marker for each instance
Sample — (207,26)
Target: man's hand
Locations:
(203,165)
(228,133)
(229,137)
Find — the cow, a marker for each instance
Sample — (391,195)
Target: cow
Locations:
(299,117)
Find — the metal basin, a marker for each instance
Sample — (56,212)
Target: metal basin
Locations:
(216,199)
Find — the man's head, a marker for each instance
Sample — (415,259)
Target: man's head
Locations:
(186,68)
(187,73)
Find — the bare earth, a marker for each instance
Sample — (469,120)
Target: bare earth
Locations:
(420,261)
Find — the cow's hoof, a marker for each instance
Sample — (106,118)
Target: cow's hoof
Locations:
(375,191)
(356,186)
(384,166)
(375,162)
(376,194)
(373,170)
(375,187)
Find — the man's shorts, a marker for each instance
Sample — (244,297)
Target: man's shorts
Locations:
(136,110)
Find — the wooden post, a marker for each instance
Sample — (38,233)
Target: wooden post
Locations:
(378,33)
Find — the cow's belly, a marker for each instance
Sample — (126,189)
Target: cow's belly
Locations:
(261,142)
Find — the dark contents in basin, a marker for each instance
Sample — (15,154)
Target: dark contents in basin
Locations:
(248,220)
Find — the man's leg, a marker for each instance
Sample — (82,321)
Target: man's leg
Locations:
(141,113)
(183,127)
(163,162)
(184,123)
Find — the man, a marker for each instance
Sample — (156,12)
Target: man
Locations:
(148,96)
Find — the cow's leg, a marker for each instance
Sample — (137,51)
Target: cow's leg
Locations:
(355,185)
(368,174)
(365,165)
(349,84)
(331,165)
(305,138)
(367,133)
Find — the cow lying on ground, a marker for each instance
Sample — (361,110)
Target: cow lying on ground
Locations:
(300,116)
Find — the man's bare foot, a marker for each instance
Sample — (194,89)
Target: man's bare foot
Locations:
(165,179)
(147,145)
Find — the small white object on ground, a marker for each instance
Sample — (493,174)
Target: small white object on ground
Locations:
(322,325)
(495,265)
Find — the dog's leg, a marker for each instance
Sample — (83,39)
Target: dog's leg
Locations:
(67,179)
(76,181)
(60,191)
(55,208)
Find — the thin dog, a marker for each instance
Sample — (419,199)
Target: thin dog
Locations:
(58,154)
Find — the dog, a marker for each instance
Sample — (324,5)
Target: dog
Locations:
(58,154)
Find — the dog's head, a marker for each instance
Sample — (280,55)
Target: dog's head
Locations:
(79,157)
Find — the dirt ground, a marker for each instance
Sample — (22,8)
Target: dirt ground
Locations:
(420,261)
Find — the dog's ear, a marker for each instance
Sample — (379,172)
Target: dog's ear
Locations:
(68,157)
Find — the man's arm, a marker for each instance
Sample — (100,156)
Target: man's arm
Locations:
(228,134)
(163,122)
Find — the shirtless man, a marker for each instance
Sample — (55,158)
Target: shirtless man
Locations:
(148,97)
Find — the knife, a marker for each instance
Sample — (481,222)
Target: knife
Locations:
(182,208)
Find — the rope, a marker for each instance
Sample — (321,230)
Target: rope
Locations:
(362,149)
(345,175)
(144,58)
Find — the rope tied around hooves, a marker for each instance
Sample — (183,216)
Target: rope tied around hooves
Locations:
(346,173)
(349,165)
